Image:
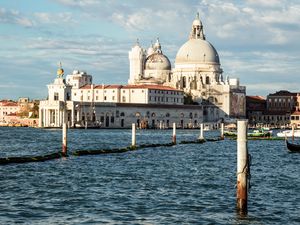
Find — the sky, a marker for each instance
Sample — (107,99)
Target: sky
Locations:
(257,40)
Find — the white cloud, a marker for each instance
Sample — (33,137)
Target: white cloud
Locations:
(14,17)
(264,3)
(80,3)
(54,18)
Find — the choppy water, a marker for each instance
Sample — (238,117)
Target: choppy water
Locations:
(183,184)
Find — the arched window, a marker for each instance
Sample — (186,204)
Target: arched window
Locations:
(122,114)
(167,114)
(153,115)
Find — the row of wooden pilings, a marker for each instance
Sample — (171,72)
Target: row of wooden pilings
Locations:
(243,158)
(243,162)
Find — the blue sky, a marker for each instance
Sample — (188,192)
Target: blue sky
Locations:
(257,40)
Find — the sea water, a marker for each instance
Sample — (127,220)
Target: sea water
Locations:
(182,184)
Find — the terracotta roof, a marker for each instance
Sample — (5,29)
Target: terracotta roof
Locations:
(256,97)
(156,87)
(5,103)
(296,113)
(144,86)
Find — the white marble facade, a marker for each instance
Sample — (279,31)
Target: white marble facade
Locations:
(155,92)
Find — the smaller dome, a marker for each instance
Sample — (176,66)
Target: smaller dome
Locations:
(157,61)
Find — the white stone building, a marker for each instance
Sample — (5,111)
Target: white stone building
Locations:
(155,92)
(114,106)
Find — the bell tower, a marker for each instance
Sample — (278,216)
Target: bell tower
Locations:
(137,57)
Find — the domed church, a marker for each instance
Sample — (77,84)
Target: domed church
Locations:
(155,94)
(197,72)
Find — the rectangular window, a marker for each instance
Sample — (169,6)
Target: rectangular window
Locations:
(96,97)
(104,98)
(113,97)
(56,96)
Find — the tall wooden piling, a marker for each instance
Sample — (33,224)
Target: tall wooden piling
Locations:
(65,141)
(133,138)
(174,134)
(160,124)
(201,137)
(293,132)
(222,131)
(64,133)
(242,167)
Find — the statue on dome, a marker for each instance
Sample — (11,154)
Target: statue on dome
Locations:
(60,71)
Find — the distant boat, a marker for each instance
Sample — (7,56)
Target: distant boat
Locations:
(261,132)
(292,147)
(289,133)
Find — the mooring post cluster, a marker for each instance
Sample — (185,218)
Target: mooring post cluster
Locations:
(242,167)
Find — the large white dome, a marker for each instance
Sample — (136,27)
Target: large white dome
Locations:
(197,51)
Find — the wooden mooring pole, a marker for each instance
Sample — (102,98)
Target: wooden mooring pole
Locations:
(133,138)
(64,134)
(222,131)
(174,134)
(201,137)
(293,132)
(242,167)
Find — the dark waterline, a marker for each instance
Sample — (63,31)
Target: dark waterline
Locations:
(182,184)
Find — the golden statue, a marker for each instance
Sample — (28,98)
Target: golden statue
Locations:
(60,71)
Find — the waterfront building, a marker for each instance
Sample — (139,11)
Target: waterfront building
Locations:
(255,109)
(18,113)
(155,94)
(7,107)
(277,110)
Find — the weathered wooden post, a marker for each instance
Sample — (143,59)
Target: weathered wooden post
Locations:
(133,138)
(160,124)
(64,144)
(201,132)
(174,134)
(242,167)
(64,132)
(222,131)
(293,132)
